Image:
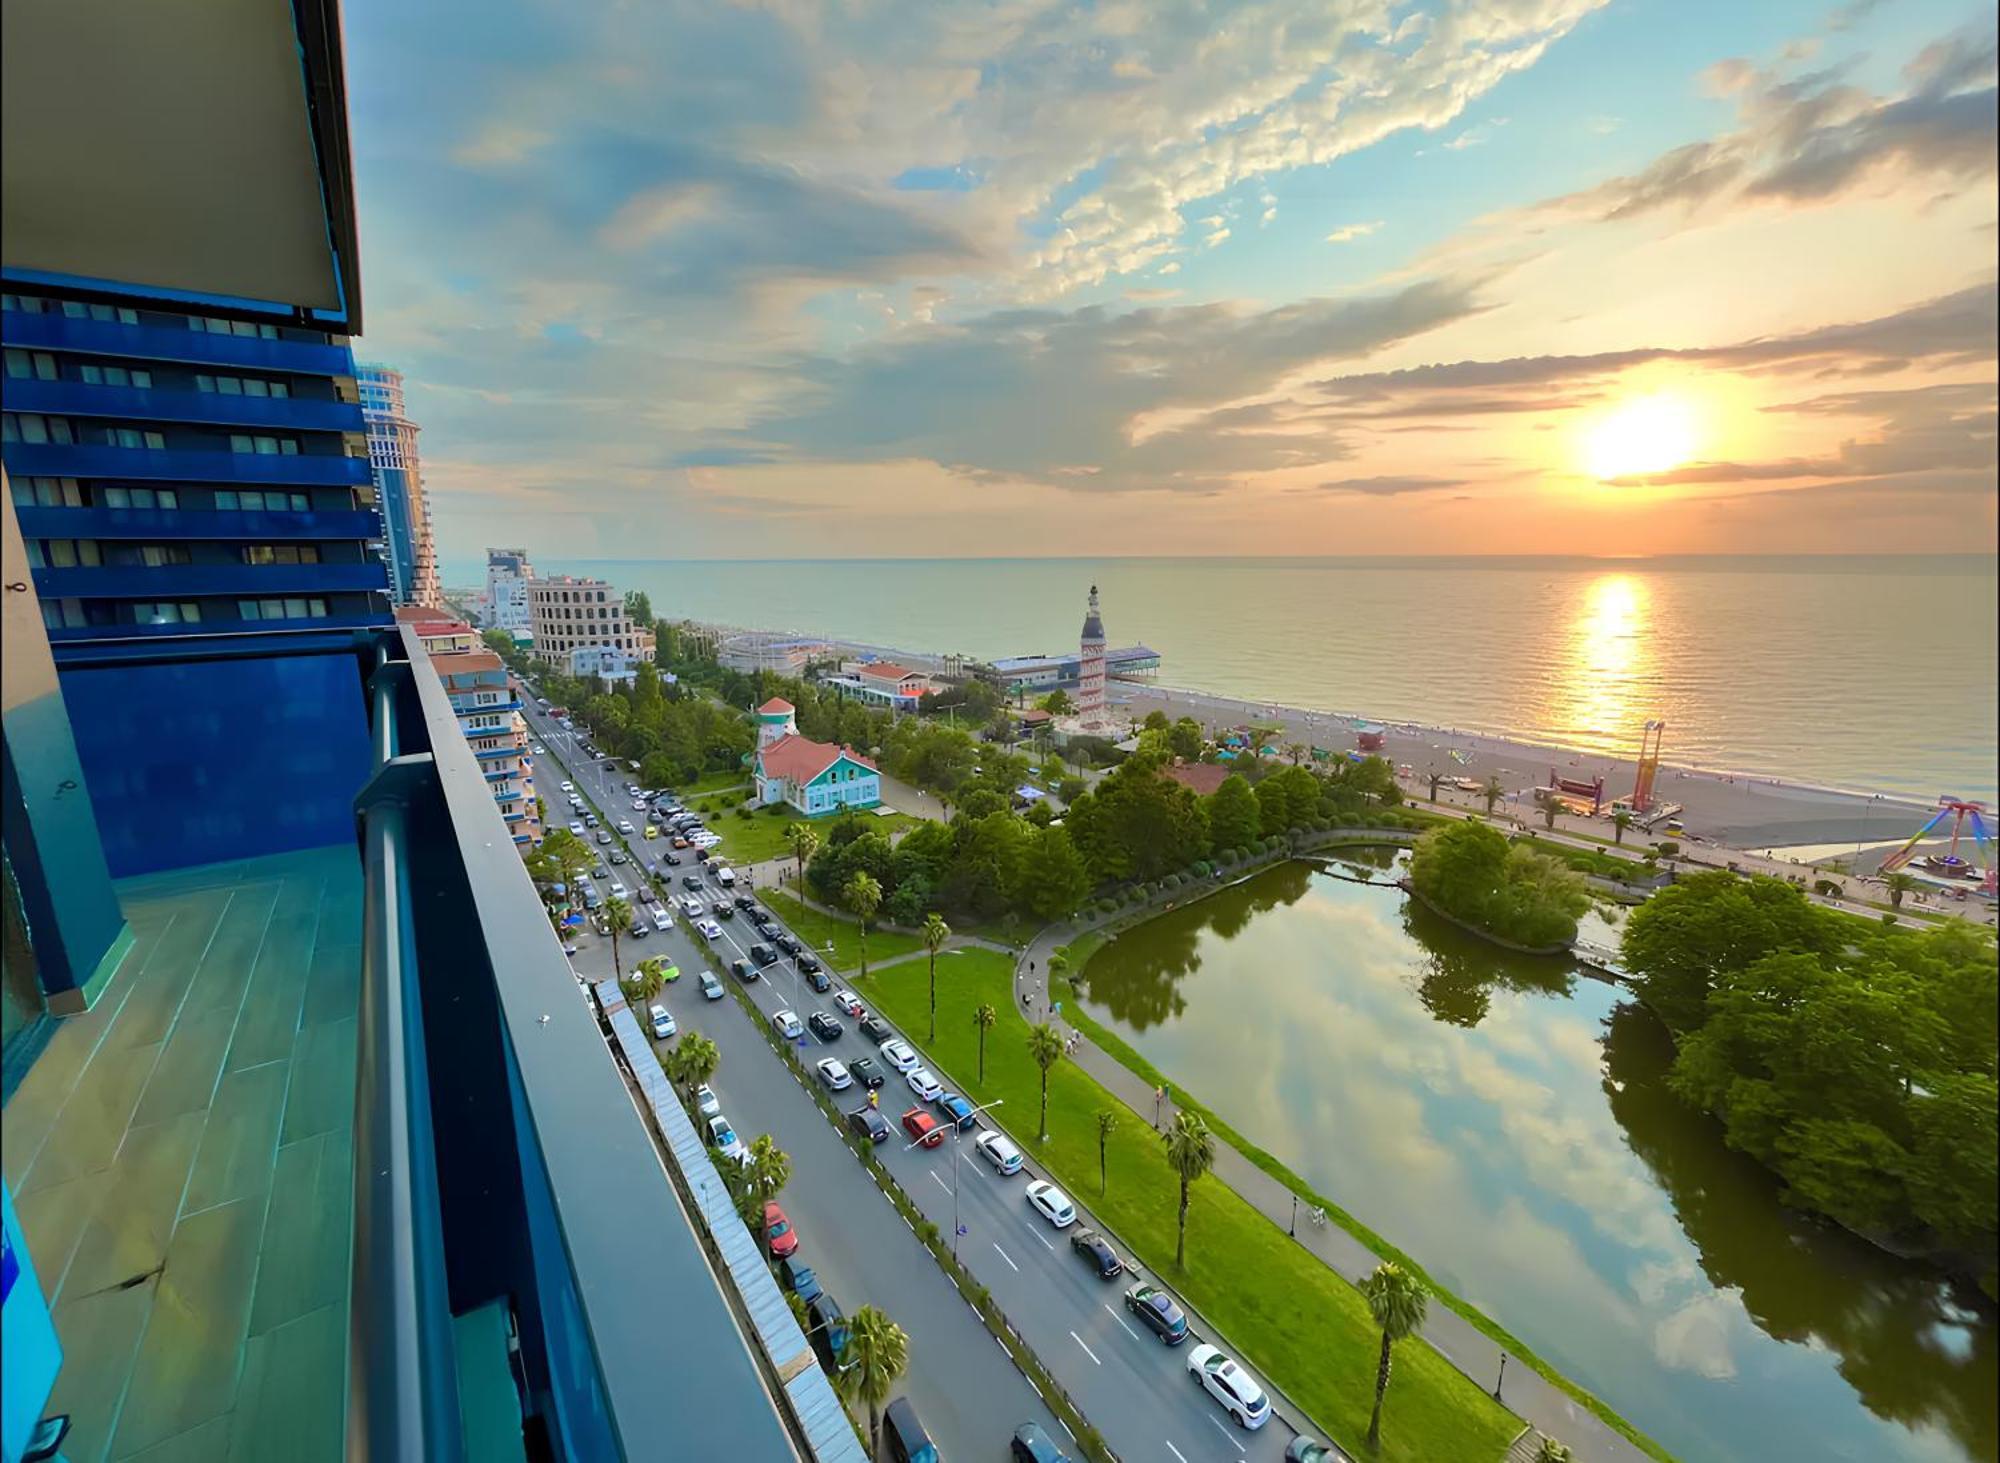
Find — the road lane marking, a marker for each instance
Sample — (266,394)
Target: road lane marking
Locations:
(1225,1432)
(940,1182)
(1128,1331)
(1008,1258)
(1086,1347)
(1045,1244)
(1175,1451)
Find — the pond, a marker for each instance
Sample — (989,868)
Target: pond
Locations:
(1505,1120)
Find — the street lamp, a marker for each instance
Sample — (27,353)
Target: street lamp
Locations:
(956,1132)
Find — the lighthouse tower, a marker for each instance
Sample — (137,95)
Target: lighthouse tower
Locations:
(1090,666)
(776,720)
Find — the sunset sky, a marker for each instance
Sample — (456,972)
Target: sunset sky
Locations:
(778,280)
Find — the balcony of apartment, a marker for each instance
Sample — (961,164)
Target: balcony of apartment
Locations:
(339,1165)
(171,581)
(155,525)
(56,331)
(156,404)
(73,643)
(173,465)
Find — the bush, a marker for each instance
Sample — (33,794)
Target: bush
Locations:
(1202,868)
(743,812)
(1827,887)
(1669,848)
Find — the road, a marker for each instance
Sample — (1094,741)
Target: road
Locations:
(1134,1390)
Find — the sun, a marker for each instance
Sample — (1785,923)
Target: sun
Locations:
(1648,434)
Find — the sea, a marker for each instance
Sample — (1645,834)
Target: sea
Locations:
(1870,673)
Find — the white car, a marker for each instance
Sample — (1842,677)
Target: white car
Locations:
(569,787)
(662,921)
(710,930)
(788,1025)
(849,1002)
(898,1055)
(619,891)
(998,1151)
(1230,1385)
(539,751)
(1051,1203)
(927,1087)
(722,1138)
(833,1072)
(576,828)
(663,1023)
(710,986)
(692,907)
(625,826)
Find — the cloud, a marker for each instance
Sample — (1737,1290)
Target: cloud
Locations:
(1216,238)
(1389,487)
(1811,139)
(1348,233)
(1476,136)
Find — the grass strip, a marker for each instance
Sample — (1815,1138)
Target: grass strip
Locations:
(817,929)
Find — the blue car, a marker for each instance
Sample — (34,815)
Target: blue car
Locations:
(957,1110)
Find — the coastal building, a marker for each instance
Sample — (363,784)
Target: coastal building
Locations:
(750,651)
(567,615)
(1027,676)
(312,1160)
(881,683)
(399,488)
(1090,668)
(816,778)
(488,706)
(504,604)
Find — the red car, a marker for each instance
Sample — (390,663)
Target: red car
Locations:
(923,1127)
(778,1232)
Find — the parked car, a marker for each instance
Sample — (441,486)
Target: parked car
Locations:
(999,1150)
(870,1124)
(806,961)
(710,986)
(722,1138)
(818,980)
(1051,1203)
(788,943)
(710,930)
(927,1087)
(779,1235)
(904,1436)
(1095,1248)
(670,972)
(576,828)
(1032,1445)
(706,1102)
(797,1277)
(826,1323)
(745,903)
(662,921)
(569,787)
(824,1026)
(833,1072)
(897,1054)
(724,911)
(663,1023)
(763,955)
(1230,1385)
(788,1025)
(874,1028)
(604,835)
(1157,1310)
(957,1111)
(849,1002)
(924,1128)
(743,970)
(1303,1449)
(639,929)
(617,857)
(625,826)
(864,1071)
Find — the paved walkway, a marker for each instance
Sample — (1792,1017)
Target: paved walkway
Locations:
(1536,1400)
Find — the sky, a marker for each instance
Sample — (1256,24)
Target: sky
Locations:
(779,279)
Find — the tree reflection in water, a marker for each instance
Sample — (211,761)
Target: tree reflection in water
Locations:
(1460,971)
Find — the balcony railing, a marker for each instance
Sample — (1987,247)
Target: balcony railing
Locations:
(171,581)
(161,404)
(156,525)
(500,1160)
(175,465)
(165,343)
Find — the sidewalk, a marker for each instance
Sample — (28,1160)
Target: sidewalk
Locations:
(1534,1399)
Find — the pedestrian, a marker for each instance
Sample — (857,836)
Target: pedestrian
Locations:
(1024,1000)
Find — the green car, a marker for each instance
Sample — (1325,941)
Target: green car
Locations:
(671,974)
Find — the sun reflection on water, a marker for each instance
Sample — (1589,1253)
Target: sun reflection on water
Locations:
(1606,663)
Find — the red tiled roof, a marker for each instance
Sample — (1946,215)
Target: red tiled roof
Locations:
(417,613)
(883,671)
(800,760)
(776,704)
(448,662)
(1203,777)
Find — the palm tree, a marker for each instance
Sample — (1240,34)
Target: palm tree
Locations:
(1297,752)
(764,1177)
(1047,1049)
(619,913)
(1550,807)
(804,840)
(693,1062)
(1107,1124)
(1620,821)
(1551,1451)
(864,897)
(1899,883)
(1434,777)
(1191,1152)
(877,1353)
(985,1018)
(935,932)
(1492,792)
(1397,1300)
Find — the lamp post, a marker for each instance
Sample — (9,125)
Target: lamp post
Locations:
(1502,1381)
(956,1132)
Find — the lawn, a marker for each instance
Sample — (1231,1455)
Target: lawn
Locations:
(1304,1327)
(817,929)
(761,836)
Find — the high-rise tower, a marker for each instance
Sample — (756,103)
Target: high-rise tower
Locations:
(1090,667)
(399,485)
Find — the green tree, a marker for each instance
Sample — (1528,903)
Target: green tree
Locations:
(562,859)
(764,1178)
(1551,1451)
(1050,880)
(1233,813)
(1185,738)
(1621,819)
(804,841)
(1046,1048)
(1492,792)
(692,1063)
(1156,720)
(1953,1170)
(1398,1301)
(1686,938)
(864,897)
(876,1355)
(935,933)
(985,1018)
(1900,883)
(1107,1124)
(1190,1153)
(618,914)
(1057,703)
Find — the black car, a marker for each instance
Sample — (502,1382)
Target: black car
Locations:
(1157,1309)
(744,902)
(869,1123)
(903,1433)
(864,1071)
(797,1277)
(701,855)
(1095,1248)
(875,1028)
(763,955)
(743,970)
(690,882)
(670,857)
(824,1026)
(806,961)
(818,979)
(639,931)
(760,917)
(1032,1445)
(827,1325)
(723,911)
(788,943)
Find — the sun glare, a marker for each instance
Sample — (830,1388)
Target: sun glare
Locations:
(1646,435)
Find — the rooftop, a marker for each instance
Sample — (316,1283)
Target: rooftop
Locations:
(1203,777)
(777,705)
(1070,657)
(800,759)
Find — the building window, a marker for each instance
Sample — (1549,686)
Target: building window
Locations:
(282,609)
(36,492)
(28,426)
(247,329)
(159,556)
(36,365)
(281,553)
(114,376)
(79,310)
(267,501)
(242,386)
(64,553)
(264,446)
(130,437)
(62,614)
(139,497)
(166,612)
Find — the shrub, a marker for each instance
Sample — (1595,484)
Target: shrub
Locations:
(743,812)
(1669,848)
(1826,886)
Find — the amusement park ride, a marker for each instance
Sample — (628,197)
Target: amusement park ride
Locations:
(1949,865)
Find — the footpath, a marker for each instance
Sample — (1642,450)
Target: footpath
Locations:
(1537,1401)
